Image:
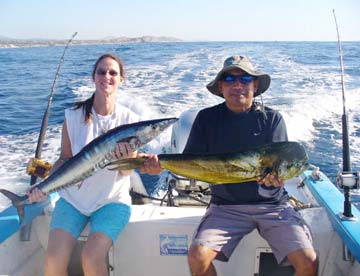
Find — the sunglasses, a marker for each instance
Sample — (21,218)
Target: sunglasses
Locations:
(244,79)
(102,72)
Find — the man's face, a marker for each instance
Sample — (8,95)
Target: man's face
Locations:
(238,94)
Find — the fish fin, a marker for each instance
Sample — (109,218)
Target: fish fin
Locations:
(126,164)
(80,184)
(17,201)
(246,163)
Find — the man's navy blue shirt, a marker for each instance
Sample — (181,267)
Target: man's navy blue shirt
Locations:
(219,130)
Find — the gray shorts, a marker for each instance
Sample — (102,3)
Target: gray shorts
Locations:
(223,226)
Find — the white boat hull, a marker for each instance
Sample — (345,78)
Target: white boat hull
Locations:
(156,240)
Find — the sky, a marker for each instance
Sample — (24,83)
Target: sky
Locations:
(190,20)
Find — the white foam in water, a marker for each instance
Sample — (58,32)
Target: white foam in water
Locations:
(15,153)
(352,106)
(165,89)
(299,98)
(314,96)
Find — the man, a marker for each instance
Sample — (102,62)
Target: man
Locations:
(235,210)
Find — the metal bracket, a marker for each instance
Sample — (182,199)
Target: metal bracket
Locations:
(347,255)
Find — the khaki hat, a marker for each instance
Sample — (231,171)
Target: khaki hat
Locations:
(243,63)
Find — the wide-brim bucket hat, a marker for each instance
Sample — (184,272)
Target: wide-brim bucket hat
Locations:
(243,63)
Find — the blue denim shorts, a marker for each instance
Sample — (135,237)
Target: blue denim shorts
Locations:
(110,219)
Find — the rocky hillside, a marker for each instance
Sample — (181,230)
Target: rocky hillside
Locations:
(14,43)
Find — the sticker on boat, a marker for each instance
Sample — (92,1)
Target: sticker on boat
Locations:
(173,244)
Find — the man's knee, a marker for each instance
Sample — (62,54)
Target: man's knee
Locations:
(200,258)
(304,261)
(201,253)
(309,267)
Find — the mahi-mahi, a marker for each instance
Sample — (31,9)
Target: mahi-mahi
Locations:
(282,159)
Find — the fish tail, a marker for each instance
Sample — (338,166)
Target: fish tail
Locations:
(17,201)
(127,164)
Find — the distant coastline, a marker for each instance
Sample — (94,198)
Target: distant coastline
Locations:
(22,43)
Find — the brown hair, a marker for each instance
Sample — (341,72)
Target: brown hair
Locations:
(88,103)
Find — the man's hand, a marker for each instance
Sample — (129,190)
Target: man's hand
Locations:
(271,180)
(151,165)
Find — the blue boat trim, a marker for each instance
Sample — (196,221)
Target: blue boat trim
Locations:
(9,219)
(329,196)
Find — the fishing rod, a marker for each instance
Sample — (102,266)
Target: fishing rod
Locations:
(348,179)
(345,134)
(36,166)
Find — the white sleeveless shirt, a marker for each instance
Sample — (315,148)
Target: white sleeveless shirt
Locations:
(104,186)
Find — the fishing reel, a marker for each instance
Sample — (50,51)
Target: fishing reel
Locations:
(190,192)
(38,168)
(348,179)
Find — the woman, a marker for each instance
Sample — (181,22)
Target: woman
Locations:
(103,199)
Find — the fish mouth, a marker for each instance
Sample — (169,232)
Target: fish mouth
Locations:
(305,166)
(165,124)
(148,132)
(300,169)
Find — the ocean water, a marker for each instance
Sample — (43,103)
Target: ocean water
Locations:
(166,79)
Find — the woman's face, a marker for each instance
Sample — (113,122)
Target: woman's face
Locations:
(107,76)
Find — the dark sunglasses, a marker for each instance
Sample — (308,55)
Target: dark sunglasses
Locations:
(102,72)
(244,79)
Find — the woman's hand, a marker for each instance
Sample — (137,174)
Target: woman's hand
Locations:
(123,151)
(271,180)
(151,165)
(35,195)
